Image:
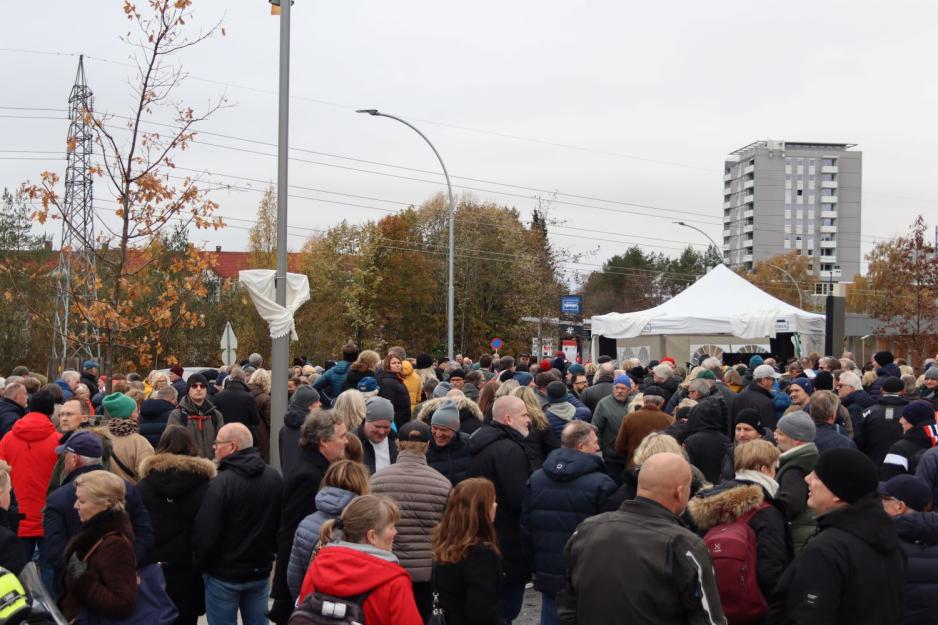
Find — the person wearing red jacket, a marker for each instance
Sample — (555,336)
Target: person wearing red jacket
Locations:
(29,448)
(361,562)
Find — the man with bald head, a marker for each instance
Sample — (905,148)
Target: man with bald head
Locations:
(235,533)
(640,562)
(496,452)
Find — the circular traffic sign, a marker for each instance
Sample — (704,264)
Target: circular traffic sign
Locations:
(496,343)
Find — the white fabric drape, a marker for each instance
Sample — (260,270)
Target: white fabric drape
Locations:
(261,286)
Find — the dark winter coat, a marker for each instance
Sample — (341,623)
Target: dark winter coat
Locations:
(903,455)
(12,554)
(290,436)
(560,414)
(60,522)
(879,427)
(918,537)
(594,393)
(354,376)
(453,460)
(731,500)
(391,388)
(262,433)
(826,437)
(108,588)
(299,501)
(235,533)
(92,383)
(855,403)
(882,374)
(852,571)
(331,381)
(172,489)
(10,413)
(706,442)
(538,443)
(571,486)
(760,400)
(639,562)
(670,386)
(154,414)
(793,466)
(369,452)
(236,404)
(330,502)
(468,589)
(928,470)
(497,453)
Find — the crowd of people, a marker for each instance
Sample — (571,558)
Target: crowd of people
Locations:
(410,488)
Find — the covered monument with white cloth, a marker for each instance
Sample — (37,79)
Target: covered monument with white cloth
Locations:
(721,312)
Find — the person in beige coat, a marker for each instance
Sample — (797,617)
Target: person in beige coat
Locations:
(421,492)
(128,448)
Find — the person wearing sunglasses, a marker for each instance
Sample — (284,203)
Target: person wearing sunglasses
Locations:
(198,414)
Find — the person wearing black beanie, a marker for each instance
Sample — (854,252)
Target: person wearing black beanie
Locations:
(919,434)
(853,570)
(748,426)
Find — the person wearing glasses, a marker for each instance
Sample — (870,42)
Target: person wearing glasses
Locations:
(234,536)
(198,414)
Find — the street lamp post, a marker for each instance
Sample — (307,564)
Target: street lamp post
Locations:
(280,347)
(709,238)
(452,217)
(793,281)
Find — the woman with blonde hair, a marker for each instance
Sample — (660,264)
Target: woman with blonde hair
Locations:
(361,562)
(344,481)
(364,367)
(350,405)
(466,559)
(101,569)
(259,386)
(541,439)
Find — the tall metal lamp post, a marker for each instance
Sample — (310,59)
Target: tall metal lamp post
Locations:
(452,217)
(793,281)
(709,238)
(280,348)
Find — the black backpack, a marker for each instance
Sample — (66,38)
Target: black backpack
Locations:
(321,609)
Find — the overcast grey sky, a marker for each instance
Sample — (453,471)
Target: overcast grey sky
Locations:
(634,105)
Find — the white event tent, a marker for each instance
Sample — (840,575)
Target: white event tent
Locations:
(721,312)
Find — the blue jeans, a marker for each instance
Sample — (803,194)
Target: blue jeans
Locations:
(36,551)
(511,597)
(224,599)
(548,609)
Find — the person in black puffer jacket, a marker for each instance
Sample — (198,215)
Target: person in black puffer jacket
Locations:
(391,387)
(173,485)
(448,451)
(908,500)
(919,435)
(705,439)
(852,570)
(305,399)
(236,403)
(154,414)
(571,486)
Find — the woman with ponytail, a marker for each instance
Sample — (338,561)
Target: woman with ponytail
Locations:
(356,558)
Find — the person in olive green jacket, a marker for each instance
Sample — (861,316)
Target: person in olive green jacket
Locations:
(607,418)
(795,437)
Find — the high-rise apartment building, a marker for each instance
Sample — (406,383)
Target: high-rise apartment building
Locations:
(780,196)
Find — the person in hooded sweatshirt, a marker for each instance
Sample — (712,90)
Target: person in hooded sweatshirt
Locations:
(305,399)
(559,411)
(174,480)
(234,536)
(919,434)
(331,382)
(853,570)
(704,437)
(908,500)
(572,485)
(154,414)
(361,561)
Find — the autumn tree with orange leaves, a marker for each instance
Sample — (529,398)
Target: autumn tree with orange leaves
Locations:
(133,310)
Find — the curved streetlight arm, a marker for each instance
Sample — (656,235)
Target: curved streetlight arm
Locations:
(793,281)
(709,238)
(450,295)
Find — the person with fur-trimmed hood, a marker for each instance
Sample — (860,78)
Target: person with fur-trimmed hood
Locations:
(172,485)
(753,488)
(470,416)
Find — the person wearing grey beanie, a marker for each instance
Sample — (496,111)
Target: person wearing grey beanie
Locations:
(379,441)
(448,452)
(794,435)
(442,389)
(447,416)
